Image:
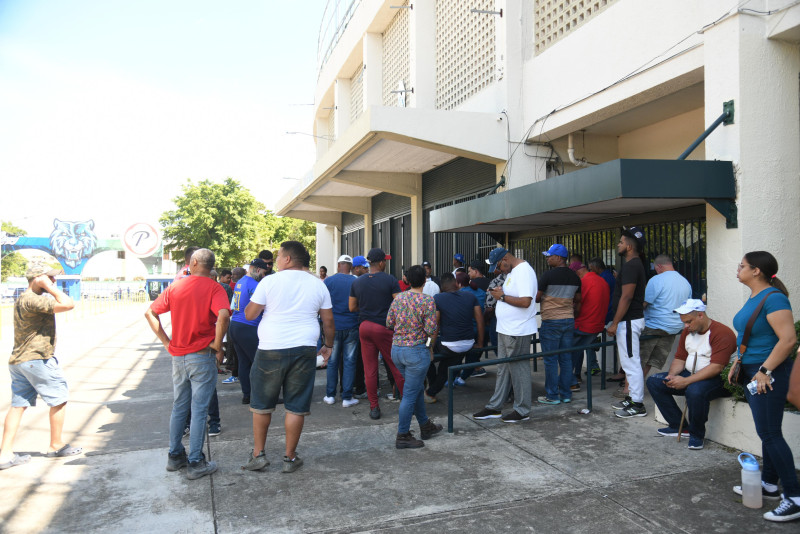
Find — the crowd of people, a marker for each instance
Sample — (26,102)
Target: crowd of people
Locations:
(270,328)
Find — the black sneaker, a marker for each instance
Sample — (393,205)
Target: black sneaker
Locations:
(200,468)
(246,399)
(787,510)
(764,493)
(514,417)
(479,372)
(636,409)
(486,413)
(375,413)
(214,430)
(624,404)
(177,461)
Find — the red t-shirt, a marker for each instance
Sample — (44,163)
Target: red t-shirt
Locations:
(195,303)
(595,295)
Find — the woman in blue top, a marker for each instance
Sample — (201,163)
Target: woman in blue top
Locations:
(767,357)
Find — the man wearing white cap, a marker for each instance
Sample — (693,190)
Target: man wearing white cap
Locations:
(345,341)
(704,349)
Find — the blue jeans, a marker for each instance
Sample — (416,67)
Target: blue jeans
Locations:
(194,379)
(413,363)
(345,343)
(557,334)
(698,399)
(582,338)
(767,409)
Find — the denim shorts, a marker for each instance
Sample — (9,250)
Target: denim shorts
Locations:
(293,370)
(42,377)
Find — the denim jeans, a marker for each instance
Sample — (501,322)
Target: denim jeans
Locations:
(557,334)
(245,339)
(413,363)
(345,343)
(291,370)
(194,379)
(698,399)
(582,338)
(767,409)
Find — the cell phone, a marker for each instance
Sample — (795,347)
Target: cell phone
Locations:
(752,386)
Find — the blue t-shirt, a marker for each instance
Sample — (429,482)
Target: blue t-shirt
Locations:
(608,276)
(664,293)
(762,337)
(457,310)
(241,298)
(339,287)
(479,293)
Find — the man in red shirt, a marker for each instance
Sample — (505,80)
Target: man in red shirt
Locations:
(590,315)
(200,313)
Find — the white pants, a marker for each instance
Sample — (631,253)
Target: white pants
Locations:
(628,333)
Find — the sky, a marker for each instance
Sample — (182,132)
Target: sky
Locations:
(108,107)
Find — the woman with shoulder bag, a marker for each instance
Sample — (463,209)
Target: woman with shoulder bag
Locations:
(766,322)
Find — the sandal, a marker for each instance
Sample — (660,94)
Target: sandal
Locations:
(66,450)
(16,460)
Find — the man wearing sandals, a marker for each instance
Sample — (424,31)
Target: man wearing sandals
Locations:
(33,367)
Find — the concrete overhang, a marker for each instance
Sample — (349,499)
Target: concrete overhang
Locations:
(387,149)
(616,189)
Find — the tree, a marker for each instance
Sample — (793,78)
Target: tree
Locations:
(9,228)
(13,263)
(227,219)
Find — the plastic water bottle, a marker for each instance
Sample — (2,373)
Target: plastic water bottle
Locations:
(751,481)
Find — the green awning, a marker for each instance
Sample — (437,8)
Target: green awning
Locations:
(618,188)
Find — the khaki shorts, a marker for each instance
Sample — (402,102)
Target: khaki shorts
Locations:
(655,352)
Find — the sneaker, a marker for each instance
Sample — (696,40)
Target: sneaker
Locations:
(214,430)
(360,395)
(430,399)
(231,380)
(548,400)
(256,463)
(346,403)
(375,413)
(623,405)
(486,413)
(695,443)
(246,399)
(459,381)
(408,441)
(787,510)
(594,372)
(390,396)
(186,431)
(566,401)
(290,466)
(671,432)
(636,409)
(575,387)
(479,372)
(200,468)
(514,417)
(764,493)
(328,400)
(177,461)
(429,429)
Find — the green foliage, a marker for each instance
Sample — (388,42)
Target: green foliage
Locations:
(14,264)
(227,219)
(9,228)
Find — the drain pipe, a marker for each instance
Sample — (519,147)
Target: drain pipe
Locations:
(571,154)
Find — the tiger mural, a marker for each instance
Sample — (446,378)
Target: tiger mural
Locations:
(72,241)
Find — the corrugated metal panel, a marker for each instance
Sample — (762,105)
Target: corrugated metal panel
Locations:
(351,222)
(386,205)
(456,179)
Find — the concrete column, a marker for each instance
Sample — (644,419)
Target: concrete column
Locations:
(326,242)
(373,70)
(760,76)
(341,100)
(416,229)
(422,55)
(367,233)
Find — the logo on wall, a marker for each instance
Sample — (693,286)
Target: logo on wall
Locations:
(72,241)
(141,240)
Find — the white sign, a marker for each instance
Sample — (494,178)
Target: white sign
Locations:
(141,240)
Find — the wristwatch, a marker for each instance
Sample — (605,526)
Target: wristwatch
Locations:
(764,370)
(503,297)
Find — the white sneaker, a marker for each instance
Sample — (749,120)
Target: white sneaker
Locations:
(328,400)
(347,403)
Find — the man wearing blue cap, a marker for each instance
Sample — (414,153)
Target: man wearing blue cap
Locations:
(559,288)
(458,263)
(516,324)
(360,266)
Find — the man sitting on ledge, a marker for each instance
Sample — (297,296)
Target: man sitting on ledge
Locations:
(704,349)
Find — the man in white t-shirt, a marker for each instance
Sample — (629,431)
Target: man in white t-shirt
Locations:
(516,324)
(286,357)
(704,349)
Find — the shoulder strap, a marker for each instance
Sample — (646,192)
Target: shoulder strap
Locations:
(751,322)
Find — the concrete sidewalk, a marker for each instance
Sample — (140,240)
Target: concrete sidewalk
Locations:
(559,472)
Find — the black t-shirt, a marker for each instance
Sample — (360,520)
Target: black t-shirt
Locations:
(632,272)
(481,283)
(374,293)
(457,310)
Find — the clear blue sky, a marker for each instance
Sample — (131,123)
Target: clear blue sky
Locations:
(108,106)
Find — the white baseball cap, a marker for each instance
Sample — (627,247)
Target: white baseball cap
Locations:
(344,258)
(691,305)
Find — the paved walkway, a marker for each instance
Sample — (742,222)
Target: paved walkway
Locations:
(559,472)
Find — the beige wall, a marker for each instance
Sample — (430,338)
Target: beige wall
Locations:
(666,139)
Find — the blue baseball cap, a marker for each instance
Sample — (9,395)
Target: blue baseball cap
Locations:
(360,261)
(557,250)
(495,256)
(459,257)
